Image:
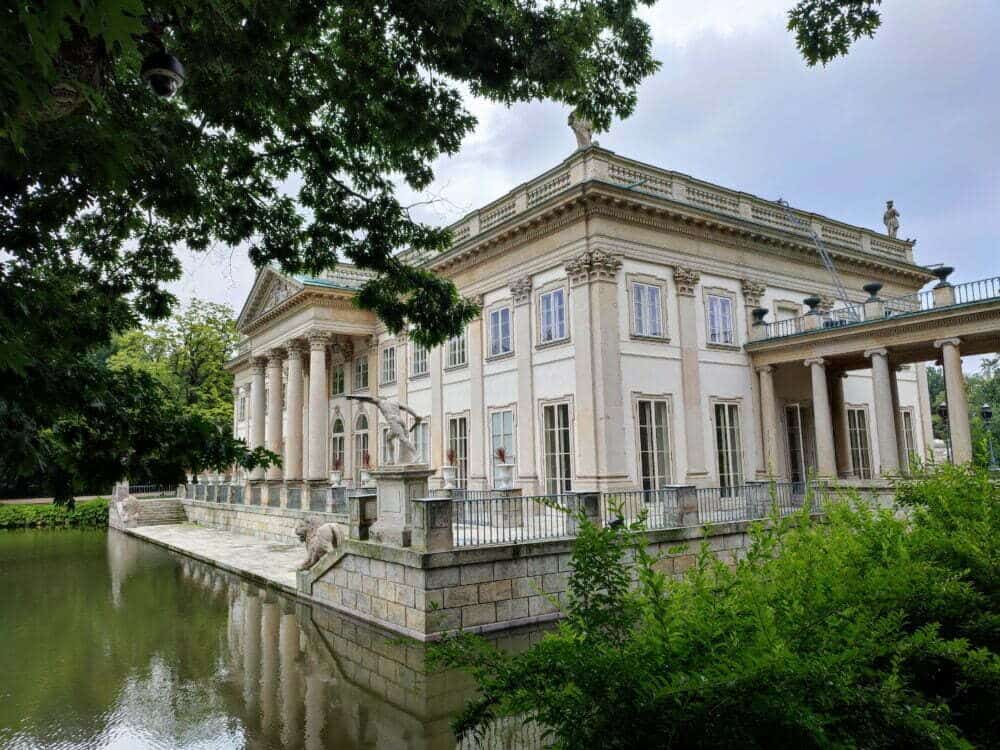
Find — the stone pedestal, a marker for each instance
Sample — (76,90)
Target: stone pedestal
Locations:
(362,512)
(398,487)
(432,524)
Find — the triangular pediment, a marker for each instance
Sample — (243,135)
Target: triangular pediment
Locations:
(270,289)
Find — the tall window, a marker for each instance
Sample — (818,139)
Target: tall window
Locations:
(552,307)
(419,364)
(360,373)
(384,449)
(720,320)
(337,444)
(909,437)
(502,436)
(457,355)
(556,441)
(861,452)
(242,407)
(647,314)
(360,444)
(728,447)
(458,442)
(422,442)
(337,381)
(796,450)
(654,445)
(388,365)
(500,341)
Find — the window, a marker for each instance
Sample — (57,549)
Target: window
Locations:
(552,308)
(419,364)
(500,340)
(861,453)
(384,448)
(337,445)
(647,313)
(388,365)
(456,351)
(242,409)
(360,373)
(502,436)
(728,447)
(720,320)
(337,381)
(556,442)
(796,449)
(909,437)
(654,444)
(458,442)
(360,445)
(786,311)
(422,442)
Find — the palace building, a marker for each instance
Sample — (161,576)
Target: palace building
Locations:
(639,328)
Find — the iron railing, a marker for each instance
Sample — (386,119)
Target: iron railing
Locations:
(498,518)
(151,491)
(659,509)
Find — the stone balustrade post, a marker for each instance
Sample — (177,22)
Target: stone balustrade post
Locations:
(874,307)
(588,503)
(687,504)
(362,513)
(432,524)
(943,293)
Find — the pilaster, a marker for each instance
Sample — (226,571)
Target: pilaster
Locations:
(686,280)
(477,419)
(520,292)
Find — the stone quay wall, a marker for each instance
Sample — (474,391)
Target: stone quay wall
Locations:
(277,524)
(484,589)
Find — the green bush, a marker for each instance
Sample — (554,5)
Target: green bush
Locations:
(90,513)
(870,629)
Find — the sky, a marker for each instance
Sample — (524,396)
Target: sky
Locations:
(912,115)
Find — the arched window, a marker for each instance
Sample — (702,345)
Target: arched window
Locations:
(360,445)
(337,445)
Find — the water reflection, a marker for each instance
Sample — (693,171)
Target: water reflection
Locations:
(110,642)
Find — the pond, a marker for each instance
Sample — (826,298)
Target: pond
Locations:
(107,641)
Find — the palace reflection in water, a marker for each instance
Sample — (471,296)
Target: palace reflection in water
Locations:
(132,646)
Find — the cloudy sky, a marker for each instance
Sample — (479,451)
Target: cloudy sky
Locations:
(912,115)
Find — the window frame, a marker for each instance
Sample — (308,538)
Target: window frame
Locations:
(461,460)
(386,362)
(869,471)
(654,398)
(414,349)
(359,436)
(498,309)
(728,404)
(568,479)
(338,373)
(423,444)
(631,281)
(359,364)
(463,337)
(720,293)
(543,291)
(512,458)
(338,442)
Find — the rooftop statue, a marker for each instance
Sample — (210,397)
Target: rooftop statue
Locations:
(891,219)
(401,447)
(583,129)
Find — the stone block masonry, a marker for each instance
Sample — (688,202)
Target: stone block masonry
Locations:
(276,524)
(484,589)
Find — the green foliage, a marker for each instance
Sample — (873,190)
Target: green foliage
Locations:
(865,629)
(825,29)
(981,388)
(91,513)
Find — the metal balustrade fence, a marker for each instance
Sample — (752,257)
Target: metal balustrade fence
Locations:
(976,291)
(237,494)
(658,509)
(152,491)
(338,500)
(509,518)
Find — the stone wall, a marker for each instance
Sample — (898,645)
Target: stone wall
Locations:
(277,524)
(424,595)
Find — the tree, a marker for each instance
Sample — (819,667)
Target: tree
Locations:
(865,629)
(981,388)
(825,29)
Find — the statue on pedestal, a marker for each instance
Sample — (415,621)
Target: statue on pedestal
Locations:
(891,219)
(401,447)
(583,129)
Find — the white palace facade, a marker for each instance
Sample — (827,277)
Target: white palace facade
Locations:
(616,346)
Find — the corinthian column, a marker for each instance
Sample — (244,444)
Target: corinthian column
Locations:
(520,291)
(293,440)
(275,360)
(826,462)
(257,409)
(686,280)
(319,411)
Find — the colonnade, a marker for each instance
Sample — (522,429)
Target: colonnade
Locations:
(829,414)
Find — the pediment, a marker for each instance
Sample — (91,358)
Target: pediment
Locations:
(270,289)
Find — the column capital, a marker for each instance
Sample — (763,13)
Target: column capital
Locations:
(953,341)
(686,280)
(814,361)
(297,348)
(258,363)
(876,352)
(520,290)
(593,265)
(765,369)
(275,357)
(753,291)
(318,340)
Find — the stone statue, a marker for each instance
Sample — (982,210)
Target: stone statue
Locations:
(582,129)
(891,219)
(401,447)
(320,538)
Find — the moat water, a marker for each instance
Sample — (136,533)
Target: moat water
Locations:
(107,641)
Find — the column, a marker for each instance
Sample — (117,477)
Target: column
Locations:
(958,405)
(319,412)
(826,462)
(305,422)
(438,437)
(374,376)
(477,411)
(753,293)
(236,421)
(257,410)
(841,437)
(686,280)
(293,440)
(269,664)
(527,474)
(904,459)
(290,677)
(605,334)
(769,420)
(885,419)
(275,360)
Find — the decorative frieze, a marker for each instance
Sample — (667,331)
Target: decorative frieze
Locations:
(686,279)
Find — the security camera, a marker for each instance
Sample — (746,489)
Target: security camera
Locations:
(164,73)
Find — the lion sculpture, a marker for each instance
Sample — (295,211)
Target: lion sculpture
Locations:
(320,538)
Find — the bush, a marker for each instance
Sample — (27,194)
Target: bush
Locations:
(90,513)
(871,628)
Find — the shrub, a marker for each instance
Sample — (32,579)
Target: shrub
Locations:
(871,628)
(90,513)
